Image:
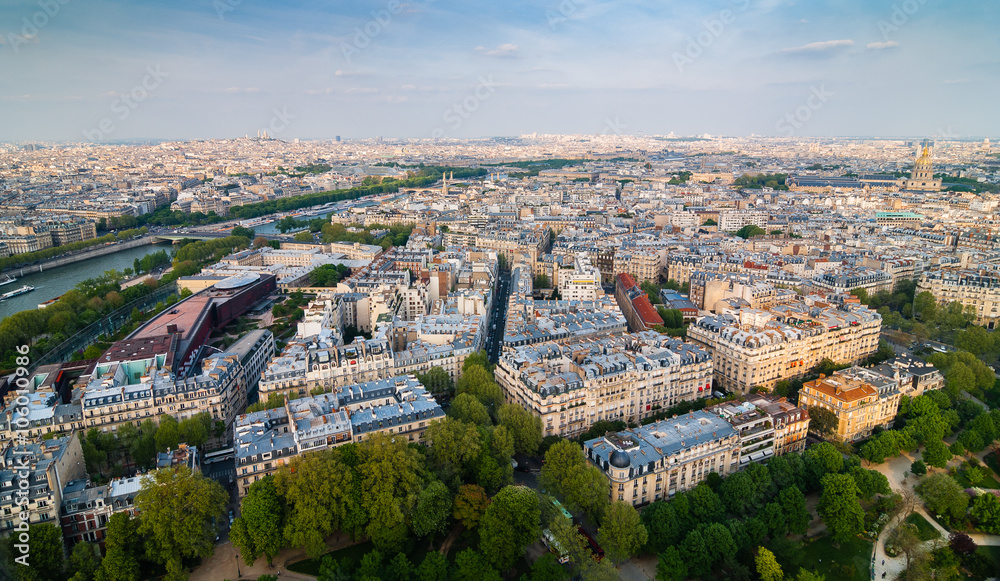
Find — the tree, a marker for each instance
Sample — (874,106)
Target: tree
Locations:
(918,468)
(870,482)
(672,566)
(904,539)
(303,237)
(805,575)
(511,522)
(194,431)
(478,381)
(525,427)
(260,526)
(432,511)
(962,543)
(943,496)
(437,381)
(84,561)
(547,568)
(705,505)
(451,446)
(567,473)
(260,242)
(622,532)
(399,568)
(822,421)
(322,493)
(822,459)
(986,511)
(470,505)
(793,505)
(118,565)
(839,506)
(44,553)
(434,567)
(467,408)
(749,231)
(176,507)
(767,566)
(936,453)
(389,474)
(168,434)
(470,565)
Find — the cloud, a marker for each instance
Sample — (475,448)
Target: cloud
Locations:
(882,45)
(815,48)
(955,81)
(343,73)
(507,50)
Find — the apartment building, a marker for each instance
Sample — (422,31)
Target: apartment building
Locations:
(313,362)
(658,460)
(624,378)
(858,405)
(635,305)
(583,283)
(32,478)
(768,426)
(843,281)
(86,509)
(758,348)
(136,389)
(269,439)
(642,264)
(733,220)
(977,290)
(709,288)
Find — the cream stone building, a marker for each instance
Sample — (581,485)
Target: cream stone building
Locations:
(858,405)
(658,460)
(625,378)
(976,290)
(758,348)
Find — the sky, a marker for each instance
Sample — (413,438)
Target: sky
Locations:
(94,70)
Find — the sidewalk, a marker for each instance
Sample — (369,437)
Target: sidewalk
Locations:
(893,470)
(223,565)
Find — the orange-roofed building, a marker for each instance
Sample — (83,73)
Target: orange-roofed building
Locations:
(858,405)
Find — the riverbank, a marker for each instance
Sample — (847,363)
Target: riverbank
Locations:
(53,281)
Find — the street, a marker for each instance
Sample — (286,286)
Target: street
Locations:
(498,318)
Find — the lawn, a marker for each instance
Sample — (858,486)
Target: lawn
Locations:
(925,530)
(352,555)
(989,481)
(992,462)
(824,557)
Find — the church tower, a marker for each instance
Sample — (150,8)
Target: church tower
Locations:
(922,177)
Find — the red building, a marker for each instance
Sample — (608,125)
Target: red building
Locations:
(635,305)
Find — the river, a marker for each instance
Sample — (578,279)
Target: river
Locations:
(52,283)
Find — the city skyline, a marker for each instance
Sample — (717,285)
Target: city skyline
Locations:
(228,68)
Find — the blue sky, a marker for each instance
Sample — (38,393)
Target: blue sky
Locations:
(422,68)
